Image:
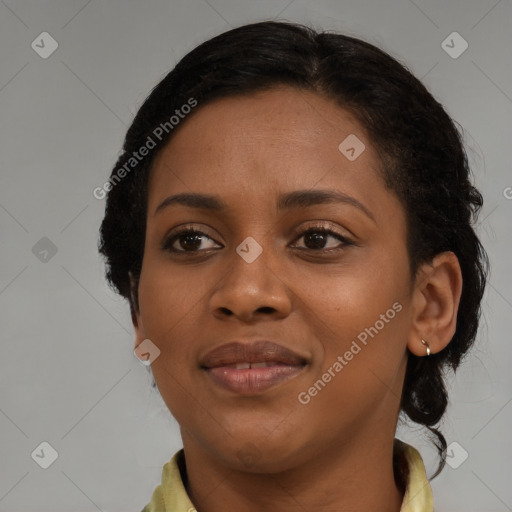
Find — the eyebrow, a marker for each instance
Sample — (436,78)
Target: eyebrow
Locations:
(296,199)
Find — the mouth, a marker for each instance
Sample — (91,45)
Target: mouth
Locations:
(250,368)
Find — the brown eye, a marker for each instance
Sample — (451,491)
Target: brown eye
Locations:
(190,240)
(317,238)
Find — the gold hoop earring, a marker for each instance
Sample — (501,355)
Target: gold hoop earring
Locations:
(426,344)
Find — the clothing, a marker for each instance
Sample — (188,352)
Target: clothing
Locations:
(171,495)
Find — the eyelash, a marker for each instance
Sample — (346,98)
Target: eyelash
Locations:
(169,242)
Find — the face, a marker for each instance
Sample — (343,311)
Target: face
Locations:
(306,248)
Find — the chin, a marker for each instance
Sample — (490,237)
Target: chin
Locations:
(264,455)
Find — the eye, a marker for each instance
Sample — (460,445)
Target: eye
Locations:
(191,240)
(316,238)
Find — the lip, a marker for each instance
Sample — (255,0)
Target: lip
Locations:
(280,365)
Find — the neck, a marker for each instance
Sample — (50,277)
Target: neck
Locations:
(355,476)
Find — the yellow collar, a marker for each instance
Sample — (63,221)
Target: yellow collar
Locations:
(418,494)
(171,495)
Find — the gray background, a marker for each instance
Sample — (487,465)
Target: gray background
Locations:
(68,374)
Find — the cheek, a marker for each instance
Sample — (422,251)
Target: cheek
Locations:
(166,297)
(361,368)
(168,304)
(360,312)
(349,299)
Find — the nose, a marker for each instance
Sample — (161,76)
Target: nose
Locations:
(252,291)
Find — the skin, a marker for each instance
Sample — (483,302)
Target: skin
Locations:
(268,451)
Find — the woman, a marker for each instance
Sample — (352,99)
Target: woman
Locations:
(291,222)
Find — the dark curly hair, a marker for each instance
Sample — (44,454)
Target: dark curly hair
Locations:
(422,154)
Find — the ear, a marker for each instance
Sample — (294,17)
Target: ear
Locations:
(135,310)
(436,298)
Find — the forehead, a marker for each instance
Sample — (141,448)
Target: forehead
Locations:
(281,117)
(255,146)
